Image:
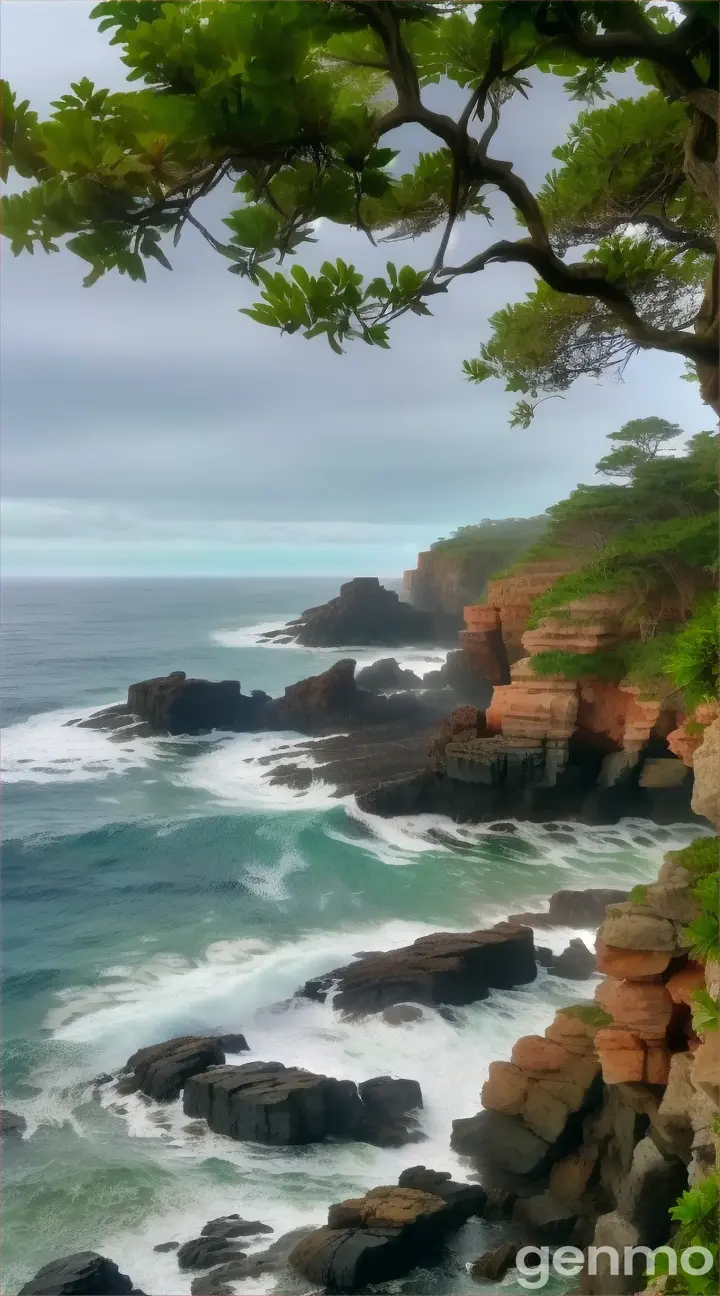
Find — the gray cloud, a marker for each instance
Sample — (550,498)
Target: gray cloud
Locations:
(164,394)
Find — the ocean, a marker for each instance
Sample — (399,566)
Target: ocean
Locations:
(159,887)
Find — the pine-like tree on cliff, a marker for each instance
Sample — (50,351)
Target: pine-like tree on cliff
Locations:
(294,103)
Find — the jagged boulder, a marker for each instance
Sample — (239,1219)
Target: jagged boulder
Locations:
(162,1070)
(444,968)
(387,675)
(84,1274)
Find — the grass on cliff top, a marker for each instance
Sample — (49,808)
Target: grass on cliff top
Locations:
(701,858)
(589,1013)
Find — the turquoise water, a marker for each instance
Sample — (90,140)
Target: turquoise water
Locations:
(158,887)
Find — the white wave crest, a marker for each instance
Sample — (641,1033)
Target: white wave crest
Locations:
(47,748)
(234,772)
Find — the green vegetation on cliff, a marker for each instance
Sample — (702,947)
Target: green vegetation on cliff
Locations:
(501,539)
(654,541)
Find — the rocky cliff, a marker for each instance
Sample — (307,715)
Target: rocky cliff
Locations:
(456,571)
(601,1123)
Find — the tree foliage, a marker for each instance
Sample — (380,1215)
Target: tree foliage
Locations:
(294,107)
(639,442)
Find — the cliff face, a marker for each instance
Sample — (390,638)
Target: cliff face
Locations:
(600,1124)
(445,581)
(512,597)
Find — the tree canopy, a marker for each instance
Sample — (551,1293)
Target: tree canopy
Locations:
(639,442)
(293,106)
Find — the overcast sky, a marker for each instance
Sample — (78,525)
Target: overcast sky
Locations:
(154,428)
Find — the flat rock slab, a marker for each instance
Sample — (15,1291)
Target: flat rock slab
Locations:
(84,1274)
(444,968)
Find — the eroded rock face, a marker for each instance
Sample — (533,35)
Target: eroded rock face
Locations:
(444,968)
(84,1274)
(365,613)
(706,766)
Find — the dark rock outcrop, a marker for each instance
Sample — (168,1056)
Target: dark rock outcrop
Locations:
(576,962)
(365,613)
(83,1274)
(11,1123)
(204,1252)
(161,1070)
(492,1265)
(387,675)
(444,968)
(272,1260)
(266,1102)
(175,704)
(383,1235)
(574,908)
(232,1226)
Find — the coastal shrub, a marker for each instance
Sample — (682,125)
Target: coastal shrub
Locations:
(692,661)
(696,1214)
(700,858)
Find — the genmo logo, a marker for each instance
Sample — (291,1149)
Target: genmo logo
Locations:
(535,1263)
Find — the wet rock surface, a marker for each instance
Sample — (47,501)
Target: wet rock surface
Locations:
(387,1232)
(11,1125)
(444,968)
(161,1070)
(84,1274)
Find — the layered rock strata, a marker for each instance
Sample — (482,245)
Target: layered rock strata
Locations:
(599,1124)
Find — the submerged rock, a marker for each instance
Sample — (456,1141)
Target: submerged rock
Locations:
(11,1123)
(444,968)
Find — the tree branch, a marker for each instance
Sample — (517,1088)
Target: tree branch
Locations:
(643,42)
(579,281)
(674,234)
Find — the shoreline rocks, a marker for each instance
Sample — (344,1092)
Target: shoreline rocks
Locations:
(443,968)
(387,1232)
(267,1102)
(83,1272)
(364,614)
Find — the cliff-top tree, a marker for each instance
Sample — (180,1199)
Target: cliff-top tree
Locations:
(638,441)
(297,105)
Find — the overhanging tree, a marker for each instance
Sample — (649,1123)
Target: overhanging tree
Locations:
(294,103)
